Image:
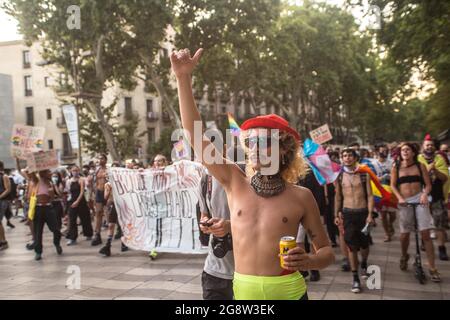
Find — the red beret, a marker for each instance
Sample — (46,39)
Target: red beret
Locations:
(428,137)
(270,121)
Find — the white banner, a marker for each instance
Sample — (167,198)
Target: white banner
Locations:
(70,116)
(157,208)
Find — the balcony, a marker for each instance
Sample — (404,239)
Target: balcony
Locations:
(28,92)
(61,123)
(152,116)
(68,155)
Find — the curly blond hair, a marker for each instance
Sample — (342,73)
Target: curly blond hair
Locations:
(293,167)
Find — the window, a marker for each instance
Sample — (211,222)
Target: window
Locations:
(149,105)
(67,148)
(28,86)
(128,108)
(26,58)
(50,144)
(151,135)
(49,114)
(29,116)
(47,81)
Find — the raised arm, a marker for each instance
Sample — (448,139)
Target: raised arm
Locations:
(183,66)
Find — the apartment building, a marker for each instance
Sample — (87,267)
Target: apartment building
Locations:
(35,102)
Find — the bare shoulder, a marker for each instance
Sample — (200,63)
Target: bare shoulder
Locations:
(303,194)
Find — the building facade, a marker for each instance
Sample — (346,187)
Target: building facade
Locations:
(36,103)
(6,119)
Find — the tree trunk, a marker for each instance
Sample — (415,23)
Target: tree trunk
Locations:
(105,128)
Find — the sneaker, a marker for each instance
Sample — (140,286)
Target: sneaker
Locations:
(59,250)
(345,266)
(315,276)
(153,254)
(9,224)
(30,246)
(435,276)
(404,262)
(4,245)
(97,240)
(106,251)
(364,274)
(71,242)
(123,247)
(356,287)
(38,257)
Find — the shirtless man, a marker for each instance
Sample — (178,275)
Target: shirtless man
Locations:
(353,209)
(262,208)
(100,202)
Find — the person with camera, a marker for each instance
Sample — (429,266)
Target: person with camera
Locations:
(217,276)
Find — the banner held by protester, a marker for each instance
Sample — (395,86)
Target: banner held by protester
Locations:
(157,209)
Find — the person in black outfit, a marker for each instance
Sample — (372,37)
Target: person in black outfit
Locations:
(78,208)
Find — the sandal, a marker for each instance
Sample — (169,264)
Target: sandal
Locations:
(404,262)
(435,276)
(387,238)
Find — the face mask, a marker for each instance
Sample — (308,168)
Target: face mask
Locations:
(76,174)
(91,171)
(55,180)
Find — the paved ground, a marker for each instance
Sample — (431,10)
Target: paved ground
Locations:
(132,275)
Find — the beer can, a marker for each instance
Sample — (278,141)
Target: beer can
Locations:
(286,243)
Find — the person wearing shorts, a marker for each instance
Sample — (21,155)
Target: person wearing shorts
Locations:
(411,185)
(353,210)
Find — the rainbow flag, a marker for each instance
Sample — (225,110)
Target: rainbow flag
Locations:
(318,160)
(234,127)
(383,195)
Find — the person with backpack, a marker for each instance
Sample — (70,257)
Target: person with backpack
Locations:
(353,210)
(5,189)
(411,184)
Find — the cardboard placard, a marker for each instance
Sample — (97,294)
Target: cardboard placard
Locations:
(321,134)
(25,140)
(42,160)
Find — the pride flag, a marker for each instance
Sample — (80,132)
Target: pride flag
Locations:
(383,195)
(325,170)
(234,127)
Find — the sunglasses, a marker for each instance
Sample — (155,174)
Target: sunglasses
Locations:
(263,142)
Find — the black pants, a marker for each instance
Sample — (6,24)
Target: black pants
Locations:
(216,288)
(81,211)
(45,215)
(57,206)
(332,229)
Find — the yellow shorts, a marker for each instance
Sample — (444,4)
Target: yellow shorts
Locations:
(287,287)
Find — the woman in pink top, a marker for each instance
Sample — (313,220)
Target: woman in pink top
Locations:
(45,214)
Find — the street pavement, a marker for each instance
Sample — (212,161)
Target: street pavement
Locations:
(133,275)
